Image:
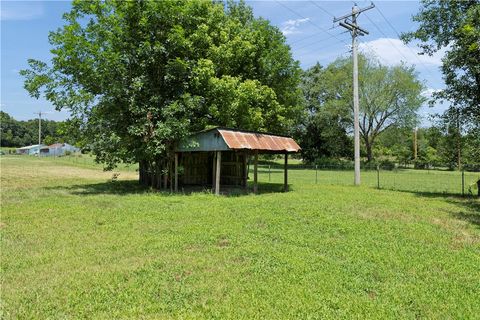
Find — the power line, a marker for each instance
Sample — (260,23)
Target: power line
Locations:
(329,13)
(386,37)
(317,42)
(321,8)
(304,38)
(311,22)
(398,35)
(308,37)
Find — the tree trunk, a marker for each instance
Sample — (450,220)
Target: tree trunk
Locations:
(153,173)
(141,172)
(368,147)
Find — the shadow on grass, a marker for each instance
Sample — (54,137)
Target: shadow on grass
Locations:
(470,203)
(472,214)
(124,187)
(128,187)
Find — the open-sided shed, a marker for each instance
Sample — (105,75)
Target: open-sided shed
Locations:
(219,156)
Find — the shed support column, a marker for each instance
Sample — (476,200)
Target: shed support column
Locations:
(165,175)
(255,175)
(285,174)
(245,169)
(176,172)
(213,171)
(217,173)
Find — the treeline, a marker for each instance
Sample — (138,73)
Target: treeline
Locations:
(390,99)
(22,133)
(440,145)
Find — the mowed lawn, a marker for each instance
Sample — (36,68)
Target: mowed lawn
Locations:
(76,245)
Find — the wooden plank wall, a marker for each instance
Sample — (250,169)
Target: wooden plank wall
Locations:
(196,168)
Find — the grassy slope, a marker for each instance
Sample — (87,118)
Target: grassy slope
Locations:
(75,245)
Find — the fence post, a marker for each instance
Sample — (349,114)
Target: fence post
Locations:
(269,173)
(463,183)
(378,176)
(316,174)
(394,175)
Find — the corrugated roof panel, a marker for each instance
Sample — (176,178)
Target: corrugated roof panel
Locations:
(258,141)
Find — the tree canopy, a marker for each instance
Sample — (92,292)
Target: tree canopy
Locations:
(140,75)
(389,96)
(325,130)
(454,25)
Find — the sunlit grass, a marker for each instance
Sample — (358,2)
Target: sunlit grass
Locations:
(77,245)
(429,181)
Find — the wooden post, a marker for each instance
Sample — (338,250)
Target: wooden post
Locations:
(378,176)
(213,171)
(285,174)
(217,174)
(165,175)
(255,174)
(170,174)
(176,172)
(158,175)
(245,170)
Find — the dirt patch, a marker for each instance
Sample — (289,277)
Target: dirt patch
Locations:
(223,242)
(182,276)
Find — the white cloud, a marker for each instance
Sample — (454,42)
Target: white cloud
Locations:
(429,92)
(21,10)
(392,51)
(291,26)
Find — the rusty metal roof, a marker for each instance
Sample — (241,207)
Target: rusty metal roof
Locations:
(56,145)
(239,139)
(223,139)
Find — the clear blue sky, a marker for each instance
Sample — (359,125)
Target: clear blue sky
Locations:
(306,24)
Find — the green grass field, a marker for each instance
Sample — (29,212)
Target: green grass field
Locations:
(74,245)
(428,181)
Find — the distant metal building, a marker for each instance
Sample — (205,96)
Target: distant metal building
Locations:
(219,156)
(30,150)
(57,149)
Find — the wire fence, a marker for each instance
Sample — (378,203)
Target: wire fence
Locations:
(412,180)
(437,181)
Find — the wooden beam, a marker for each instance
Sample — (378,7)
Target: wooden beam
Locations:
(285,174)
(213,171)
(170,175)
(217,173)
(245,169)
(165,175)
(255,173)
(176,172)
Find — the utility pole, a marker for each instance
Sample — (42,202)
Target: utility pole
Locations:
(40,125)
(459,140)
(350,23)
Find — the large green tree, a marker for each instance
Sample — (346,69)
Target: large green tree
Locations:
(455,26)
(140,75)
(325,129)
(389,96)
